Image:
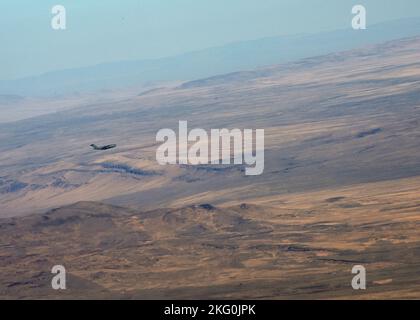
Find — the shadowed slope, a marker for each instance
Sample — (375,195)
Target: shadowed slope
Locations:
(296,250)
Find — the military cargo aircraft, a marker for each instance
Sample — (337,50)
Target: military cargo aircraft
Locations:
(107,147)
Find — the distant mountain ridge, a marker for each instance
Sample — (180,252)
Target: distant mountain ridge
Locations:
(208,62)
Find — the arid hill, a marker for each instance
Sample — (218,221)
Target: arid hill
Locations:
(340,188)
(246,251)
(329,121)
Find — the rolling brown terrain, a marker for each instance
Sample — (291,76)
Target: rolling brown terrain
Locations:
(340,188)
(301,250)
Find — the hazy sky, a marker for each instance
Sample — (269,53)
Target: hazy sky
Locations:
(110,30)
